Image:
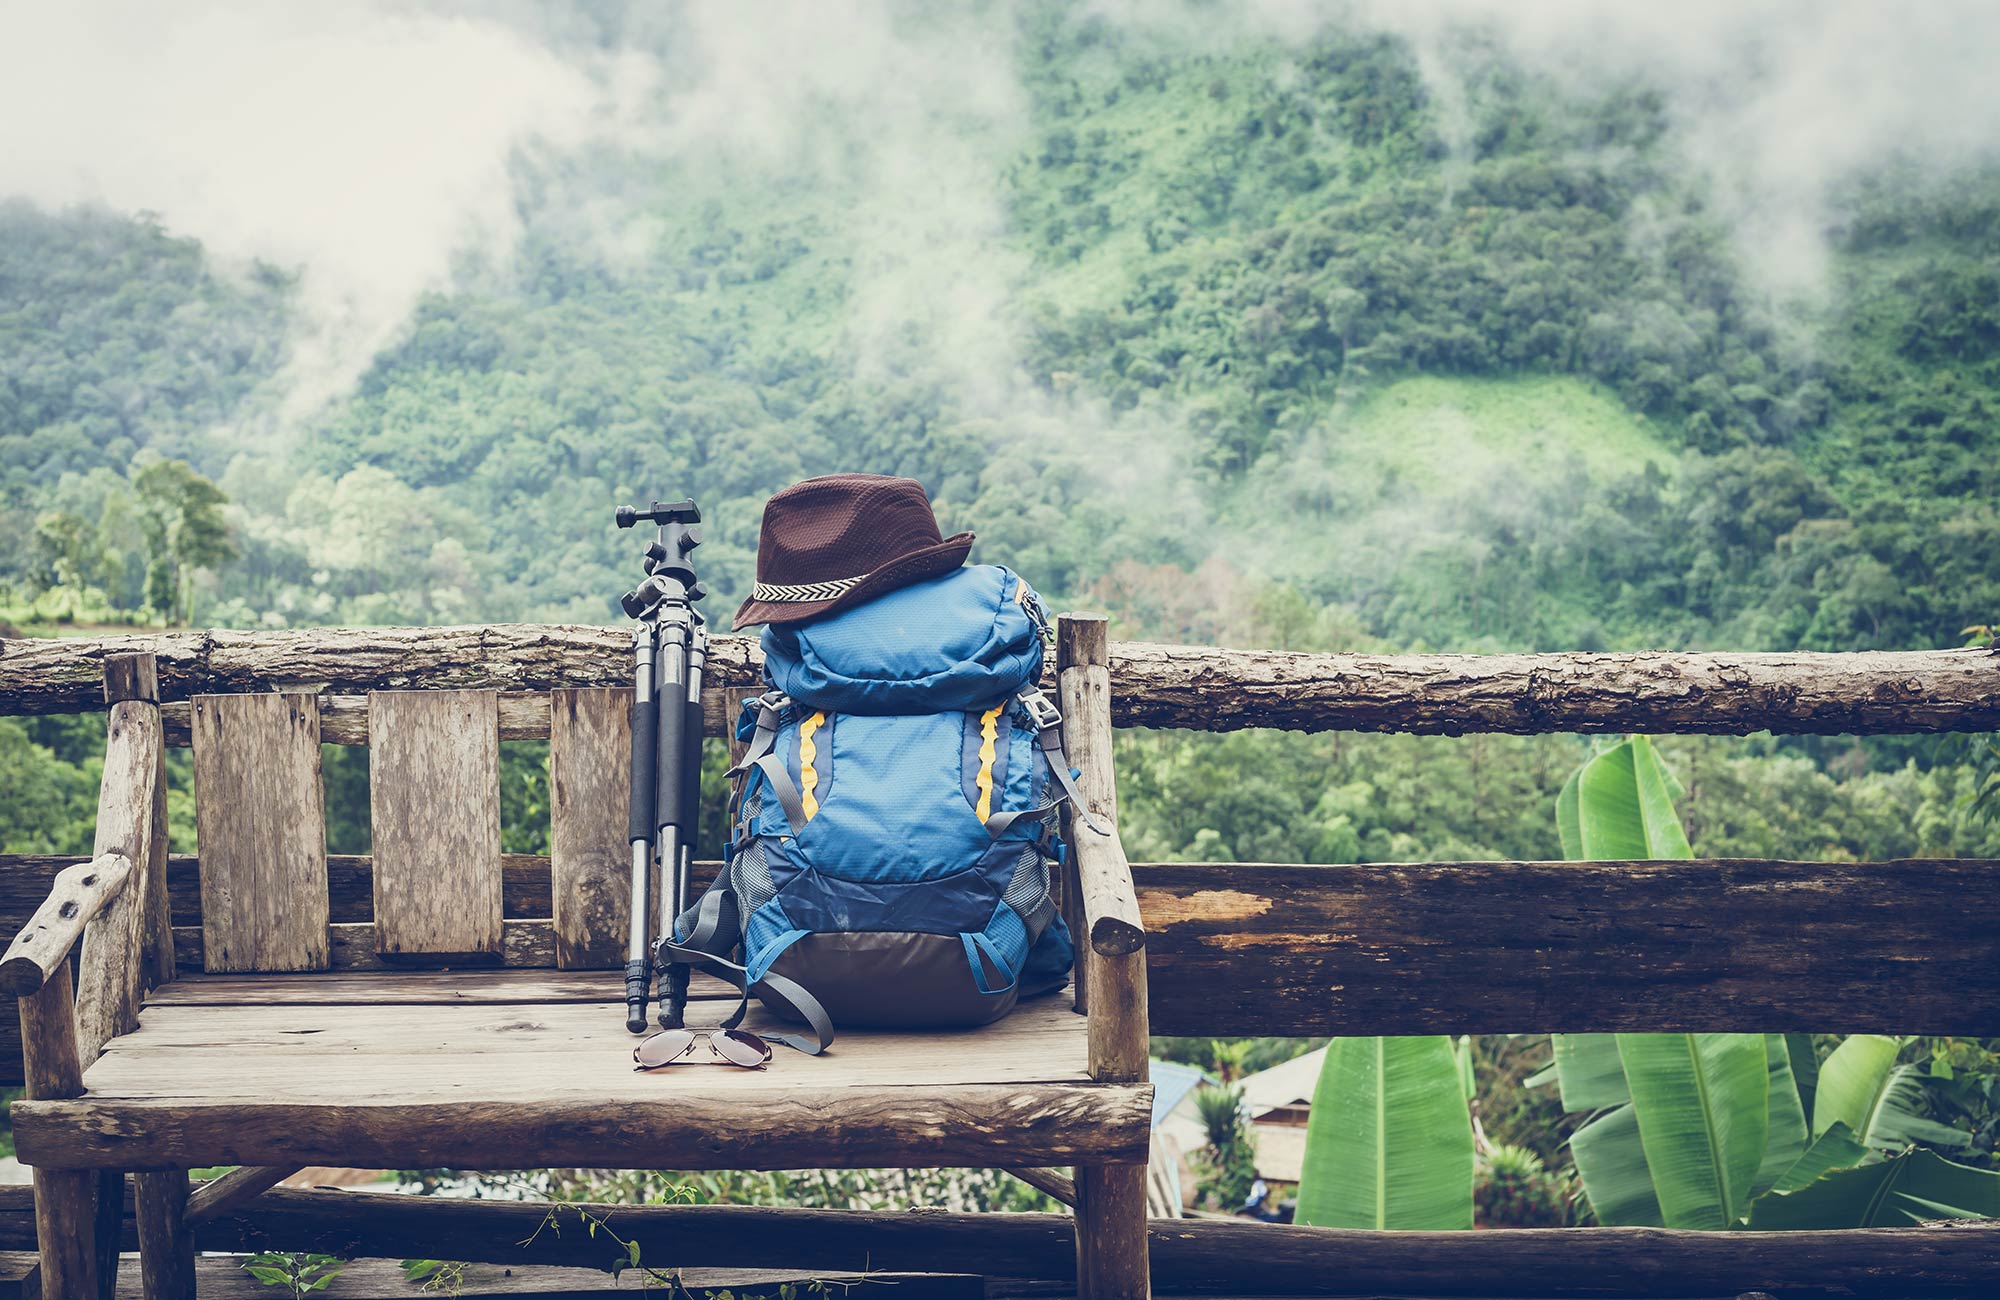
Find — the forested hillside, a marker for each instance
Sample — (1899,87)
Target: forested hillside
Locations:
(1257,344)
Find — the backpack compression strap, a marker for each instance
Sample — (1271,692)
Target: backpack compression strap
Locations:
(704,947)
(1048,738)
(771,706)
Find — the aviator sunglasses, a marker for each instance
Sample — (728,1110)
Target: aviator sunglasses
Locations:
(737,1047)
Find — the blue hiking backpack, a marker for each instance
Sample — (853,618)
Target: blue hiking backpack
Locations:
(894,820)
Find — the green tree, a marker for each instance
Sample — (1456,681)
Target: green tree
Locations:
(181,516)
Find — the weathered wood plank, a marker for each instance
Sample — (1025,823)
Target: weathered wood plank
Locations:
(158,957)
(65,1205)
(234,1190)
(110,971)
(1501,947)
(770,1128)
(524,715)
(446,1040)
(54,1068)
(434,805)
(44,943)
(408,988)
(166,1245)
(1865,692)
(590,765)
(223,1278)
(66,1231)
(261,824)
(1706,945)
(1049,1182)
(1226,1257)
(1111,1246)
(353,947)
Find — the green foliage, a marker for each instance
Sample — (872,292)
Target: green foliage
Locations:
(1389,1142)
(1514,1189)
(299,1274)
(437,1276)
(1287,367)
(1710,1130)
(1906,1189)
(1227,1165)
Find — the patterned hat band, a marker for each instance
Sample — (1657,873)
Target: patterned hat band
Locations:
(804,591)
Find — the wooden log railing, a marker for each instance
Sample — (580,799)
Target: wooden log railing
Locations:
(1866,692)
(1189,1257)
(1234,949)
(1256,949)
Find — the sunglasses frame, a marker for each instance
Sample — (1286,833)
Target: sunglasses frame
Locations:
(716,1056)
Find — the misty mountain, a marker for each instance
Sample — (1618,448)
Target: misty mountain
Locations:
(1328,325)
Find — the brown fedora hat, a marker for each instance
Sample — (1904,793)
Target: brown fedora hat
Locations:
(835,541)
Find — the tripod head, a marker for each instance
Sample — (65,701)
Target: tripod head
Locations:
(663,513)
(670,573)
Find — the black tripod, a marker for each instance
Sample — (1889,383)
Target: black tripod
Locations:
(669,649)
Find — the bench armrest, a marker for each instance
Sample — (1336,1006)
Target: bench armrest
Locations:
(80,892)
(1110,907)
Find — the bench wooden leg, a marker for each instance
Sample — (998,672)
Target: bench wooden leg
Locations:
(1111,1233)
(166,1242)
(66,1230)
(110,1226)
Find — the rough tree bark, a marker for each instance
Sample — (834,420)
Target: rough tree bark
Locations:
(1198,687)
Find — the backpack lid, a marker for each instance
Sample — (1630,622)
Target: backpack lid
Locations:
(957,641)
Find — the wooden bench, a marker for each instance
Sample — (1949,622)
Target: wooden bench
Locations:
(441,1036)
(1229,949)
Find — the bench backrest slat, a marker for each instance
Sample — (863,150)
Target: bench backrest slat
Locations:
(434,805)
(260,821)
(590,862)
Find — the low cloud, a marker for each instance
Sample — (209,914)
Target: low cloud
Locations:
(366,145)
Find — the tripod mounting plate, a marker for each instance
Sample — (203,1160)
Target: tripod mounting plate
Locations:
(663,512)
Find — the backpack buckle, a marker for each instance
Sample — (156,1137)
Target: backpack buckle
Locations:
(1041,710)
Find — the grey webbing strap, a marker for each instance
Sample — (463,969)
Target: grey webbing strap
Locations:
(1048,738)
(770,709)
(698,950)
(783,789)
(997,824)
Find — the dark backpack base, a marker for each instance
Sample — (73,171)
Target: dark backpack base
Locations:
(892,980)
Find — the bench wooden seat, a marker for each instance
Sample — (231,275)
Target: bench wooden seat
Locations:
(437,1036)
(508,1069)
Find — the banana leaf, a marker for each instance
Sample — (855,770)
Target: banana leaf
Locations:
(1785,1136)
(1897,1192)
(1389,1142)
(1861,1086)
(1805,1067)
(1837,1148)
(1624,806)
(1702,1102)
(1612,1164)
(1569,822)
(1589,1072)
(1618,804)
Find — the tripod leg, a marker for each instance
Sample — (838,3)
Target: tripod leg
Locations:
(639,828)
(693,728)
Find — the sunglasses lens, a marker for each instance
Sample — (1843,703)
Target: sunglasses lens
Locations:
(663,1048)
(741,1047)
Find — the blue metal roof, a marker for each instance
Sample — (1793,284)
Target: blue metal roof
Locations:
(1172,1082)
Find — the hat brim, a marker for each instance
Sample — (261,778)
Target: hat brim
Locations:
(899,572)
